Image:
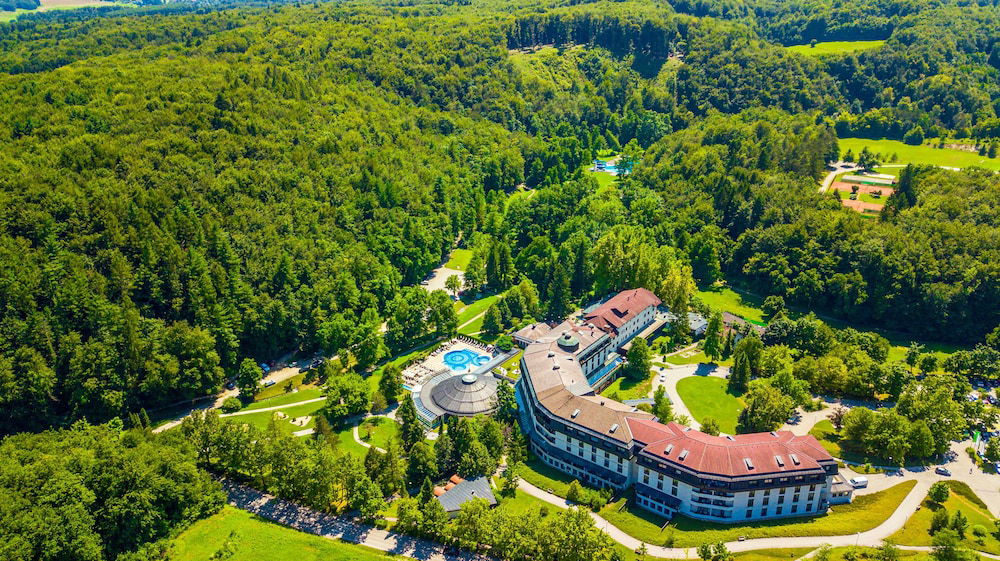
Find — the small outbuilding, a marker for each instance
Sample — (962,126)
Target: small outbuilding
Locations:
(460,491)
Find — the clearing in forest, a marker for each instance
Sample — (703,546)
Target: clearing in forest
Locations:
(831,48)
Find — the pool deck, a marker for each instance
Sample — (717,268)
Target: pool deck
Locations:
(434,364)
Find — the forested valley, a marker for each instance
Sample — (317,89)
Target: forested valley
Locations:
(185,188)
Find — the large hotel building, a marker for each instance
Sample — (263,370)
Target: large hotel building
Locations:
(673,469)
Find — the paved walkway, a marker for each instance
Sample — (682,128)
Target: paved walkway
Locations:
(871,537)
(278,375)
(275,408)
(338,527)
(841,167)
(673,374)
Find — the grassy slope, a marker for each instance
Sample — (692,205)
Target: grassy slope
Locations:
(252,538)
(286,398)
(630,389)
(707,396)
(724,299)
(827,48)
(917,528)
(459,259)
(263,419)
(865,513)
(923,154)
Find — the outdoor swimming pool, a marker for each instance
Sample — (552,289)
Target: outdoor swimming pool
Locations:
(460,361)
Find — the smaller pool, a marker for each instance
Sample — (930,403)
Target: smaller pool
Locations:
(460,361)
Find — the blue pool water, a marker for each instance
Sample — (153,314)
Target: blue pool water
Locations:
(460,361)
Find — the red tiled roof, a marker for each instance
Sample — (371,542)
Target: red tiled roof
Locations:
(728,455)
(622,307)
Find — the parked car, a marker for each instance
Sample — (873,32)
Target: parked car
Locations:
(859,482)
(942,471)
(230,385)
(269,383)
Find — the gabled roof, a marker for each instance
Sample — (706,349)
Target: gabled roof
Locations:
(466,491)
(734,456)
(621,308)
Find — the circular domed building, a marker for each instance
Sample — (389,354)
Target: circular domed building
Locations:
(467,395)
(460,395)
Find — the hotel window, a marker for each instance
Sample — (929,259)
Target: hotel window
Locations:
(778,511)
(659,484)
(795,508)
(811,497)
(812,487)
(767,501)
(749,513)
(750,502)
(752,493)
(763,512)
(781,500)
(809,507)
(796,498)
(645,478)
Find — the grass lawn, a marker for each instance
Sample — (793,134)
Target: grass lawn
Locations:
(303,394)
(865,513)
(725,299)
(923,154)
(708,396)
(827,48)
(347,444)
(250,538)
(917,528)
(539,474)
(514,363)
(382,431)
(282,388)
(522,503)
(697,358)
(866,198)
(469,310)
(263,419)
(473,327)
(630,389)
(459,259)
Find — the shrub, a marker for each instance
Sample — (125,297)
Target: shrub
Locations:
(231,404)
(938,492)
(979,531)
(574,491)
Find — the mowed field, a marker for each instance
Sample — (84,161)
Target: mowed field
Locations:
(923,154)
(831,48)
(49,5)
(236,535)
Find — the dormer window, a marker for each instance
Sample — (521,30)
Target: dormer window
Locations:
(780,461)
(748,462)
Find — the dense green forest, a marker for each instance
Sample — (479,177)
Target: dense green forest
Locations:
(183,190)
(191,188)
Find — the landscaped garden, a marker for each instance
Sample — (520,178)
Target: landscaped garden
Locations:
(708,396)
(961,498)
(378,431)
(864,513)
(283,417)
(236,535)
(625,388)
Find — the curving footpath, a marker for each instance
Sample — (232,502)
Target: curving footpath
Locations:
(337,527)
(871,537)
